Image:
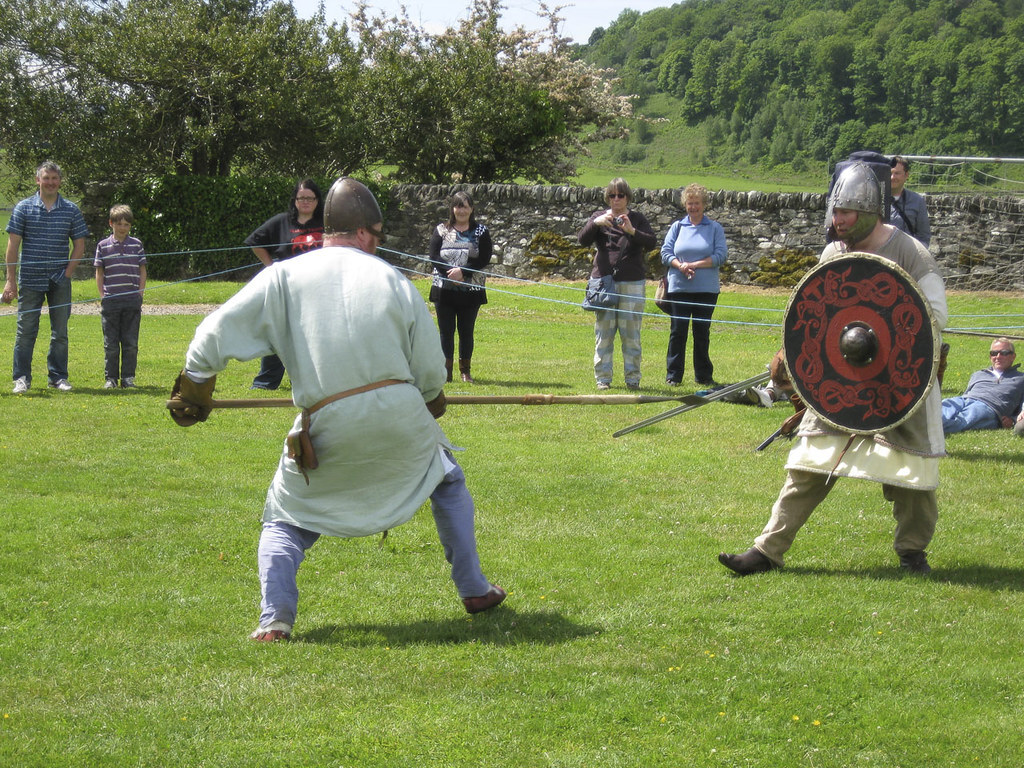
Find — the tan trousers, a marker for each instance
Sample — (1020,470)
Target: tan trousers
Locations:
(916,513)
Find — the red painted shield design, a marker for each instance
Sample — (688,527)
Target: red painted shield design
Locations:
(859,343)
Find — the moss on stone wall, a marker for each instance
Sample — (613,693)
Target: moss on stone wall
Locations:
(552,252)
(784,268)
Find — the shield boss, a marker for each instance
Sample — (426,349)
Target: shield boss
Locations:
(859,342)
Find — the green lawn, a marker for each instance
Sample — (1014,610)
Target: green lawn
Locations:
(128,584)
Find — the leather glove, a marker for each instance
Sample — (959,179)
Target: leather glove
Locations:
(191,402)
(777,369)
(438,405)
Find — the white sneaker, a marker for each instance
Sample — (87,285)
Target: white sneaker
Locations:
(21,385)
(61,384)
(128,383)
(110,384)
(764,396)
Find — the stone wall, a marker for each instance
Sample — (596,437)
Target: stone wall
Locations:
(772,237)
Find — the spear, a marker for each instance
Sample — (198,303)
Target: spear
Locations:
(535,399)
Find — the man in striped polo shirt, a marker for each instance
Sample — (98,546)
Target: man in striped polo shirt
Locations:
(40,228)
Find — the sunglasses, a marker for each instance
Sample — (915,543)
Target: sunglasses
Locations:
(614,195)
(997,352)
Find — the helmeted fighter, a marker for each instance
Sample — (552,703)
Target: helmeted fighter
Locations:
(860,324)
(367,370)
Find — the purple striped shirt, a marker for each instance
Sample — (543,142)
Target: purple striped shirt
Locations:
(120,261)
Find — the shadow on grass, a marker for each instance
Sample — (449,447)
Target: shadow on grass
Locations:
(1016,457)
(500,627)
(534,386)
(974,575)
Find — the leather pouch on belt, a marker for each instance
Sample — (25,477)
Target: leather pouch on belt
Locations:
(300,448)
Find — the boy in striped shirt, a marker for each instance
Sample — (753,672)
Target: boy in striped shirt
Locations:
(121,278)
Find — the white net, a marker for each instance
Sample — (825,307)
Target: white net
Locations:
(977,204)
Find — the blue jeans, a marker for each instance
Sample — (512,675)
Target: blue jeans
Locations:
(30,303)
(120,324)
(962,413)
(283,546)
(271,373)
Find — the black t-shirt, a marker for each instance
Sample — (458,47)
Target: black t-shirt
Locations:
(283,239)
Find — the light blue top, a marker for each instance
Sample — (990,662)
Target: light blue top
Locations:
(688,242)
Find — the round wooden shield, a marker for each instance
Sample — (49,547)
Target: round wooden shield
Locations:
(859,343)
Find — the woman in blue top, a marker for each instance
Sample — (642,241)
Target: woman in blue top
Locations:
(693,251)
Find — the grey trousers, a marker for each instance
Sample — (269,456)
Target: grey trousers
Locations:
(283,546)
(916,513)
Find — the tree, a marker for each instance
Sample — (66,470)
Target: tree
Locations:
(477,103)
(122,88)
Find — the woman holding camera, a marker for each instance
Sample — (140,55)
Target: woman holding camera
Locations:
(621,238)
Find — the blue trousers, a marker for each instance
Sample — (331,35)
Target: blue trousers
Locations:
(271,373)
(283,547)
(120,323)
(30,304)
(962,413)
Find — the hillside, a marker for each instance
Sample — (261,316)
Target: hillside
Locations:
(796,85)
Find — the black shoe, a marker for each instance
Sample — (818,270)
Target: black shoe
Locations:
(709,383)
(751,561)
(915,562)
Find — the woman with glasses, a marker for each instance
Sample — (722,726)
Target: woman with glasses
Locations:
(694,250)
(299,229)
(622,238)
(459,250)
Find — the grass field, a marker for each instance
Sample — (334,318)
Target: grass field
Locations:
(128,584)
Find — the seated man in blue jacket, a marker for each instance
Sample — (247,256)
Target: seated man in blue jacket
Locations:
(994,396)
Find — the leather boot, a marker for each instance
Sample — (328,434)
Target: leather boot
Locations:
(943,360)
(751,561)
(464,370)
(449,364)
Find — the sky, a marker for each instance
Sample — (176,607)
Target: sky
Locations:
(581,16)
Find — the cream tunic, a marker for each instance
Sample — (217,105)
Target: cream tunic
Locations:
(339,318)
(907,456)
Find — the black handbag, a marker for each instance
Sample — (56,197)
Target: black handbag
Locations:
(600,293)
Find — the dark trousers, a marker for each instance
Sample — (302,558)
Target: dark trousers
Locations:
(699,307)
(120,323)
(456,318)
(271,373)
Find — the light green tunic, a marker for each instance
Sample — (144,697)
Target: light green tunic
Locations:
(339,318)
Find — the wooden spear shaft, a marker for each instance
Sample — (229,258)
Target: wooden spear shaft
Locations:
(538,399)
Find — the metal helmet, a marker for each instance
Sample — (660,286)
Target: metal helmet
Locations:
(349,206)
(856,189)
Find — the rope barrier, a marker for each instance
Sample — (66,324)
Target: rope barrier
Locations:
(576,302)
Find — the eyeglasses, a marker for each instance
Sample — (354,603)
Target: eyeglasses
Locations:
(305,199)
(615,195)
(998,352)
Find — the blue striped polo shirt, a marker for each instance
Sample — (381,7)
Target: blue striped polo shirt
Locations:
(45,236)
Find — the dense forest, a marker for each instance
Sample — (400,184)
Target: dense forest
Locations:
(786,81)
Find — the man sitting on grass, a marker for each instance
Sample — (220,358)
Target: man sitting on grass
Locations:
(994,396)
